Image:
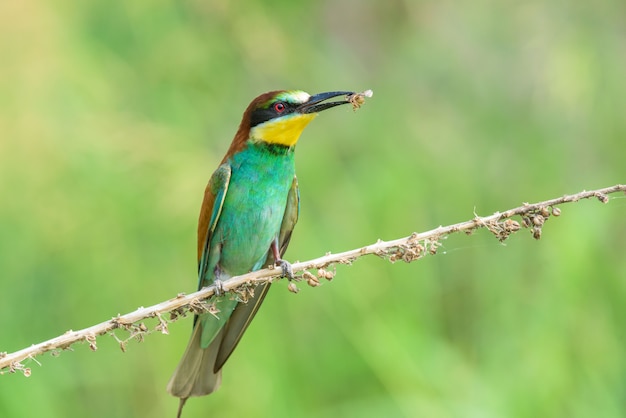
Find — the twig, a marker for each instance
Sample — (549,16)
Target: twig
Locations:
(406,249)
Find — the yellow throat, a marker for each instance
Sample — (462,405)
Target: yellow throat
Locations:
(283,131)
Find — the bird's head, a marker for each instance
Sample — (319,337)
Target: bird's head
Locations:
(279,117)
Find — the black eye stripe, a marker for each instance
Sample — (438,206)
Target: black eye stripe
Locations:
(259,116)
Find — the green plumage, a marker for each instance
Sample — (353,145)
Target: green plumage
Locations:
(251,216)
(256,202)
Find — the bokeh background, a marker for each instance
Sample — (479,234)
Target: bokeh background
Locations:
(114,114)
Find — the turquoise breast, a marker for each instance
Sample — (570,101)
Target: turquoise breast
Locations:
(253,208)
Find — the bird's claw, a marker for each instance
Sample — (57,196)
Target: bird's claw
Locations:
(287,270)
(219,287)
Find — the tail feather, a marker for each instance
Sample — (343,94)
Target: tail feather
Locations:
(195,375)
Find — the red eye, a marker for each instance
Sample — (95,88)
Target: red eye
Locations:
(279,107)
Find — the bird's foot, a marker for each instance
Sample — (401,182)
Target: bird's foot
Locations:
(219,287)
(287,270)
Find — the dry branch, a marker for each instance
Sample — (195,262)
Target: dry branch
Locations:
(406,249)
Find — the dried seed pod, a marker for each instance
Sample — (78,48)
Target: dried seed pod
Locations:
(511,225)
(314,282)
(537,232)
(292,287)
(326,274)
(544,212)
(432,248)
(556,211)
(538,220)
(311,280)
(526,222)
(91,340)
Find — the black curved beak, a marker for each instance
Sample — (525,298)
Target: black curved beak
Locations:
(314,104)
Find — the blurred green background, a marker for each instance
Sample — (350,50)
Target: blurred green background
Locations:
(113,115)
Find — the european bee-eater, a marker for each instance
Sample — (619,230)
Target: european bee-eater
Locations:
(250,207)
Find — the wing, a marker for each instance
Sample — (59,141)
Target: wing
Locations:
(289,219)
(212,204)
(194,375)
(214,196)
(244,312)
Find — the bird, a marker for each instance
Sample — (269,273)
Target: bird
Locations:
(250,207)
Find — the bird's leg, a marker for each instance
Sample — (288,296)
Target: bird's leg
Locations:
(219,286)
(284,264)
